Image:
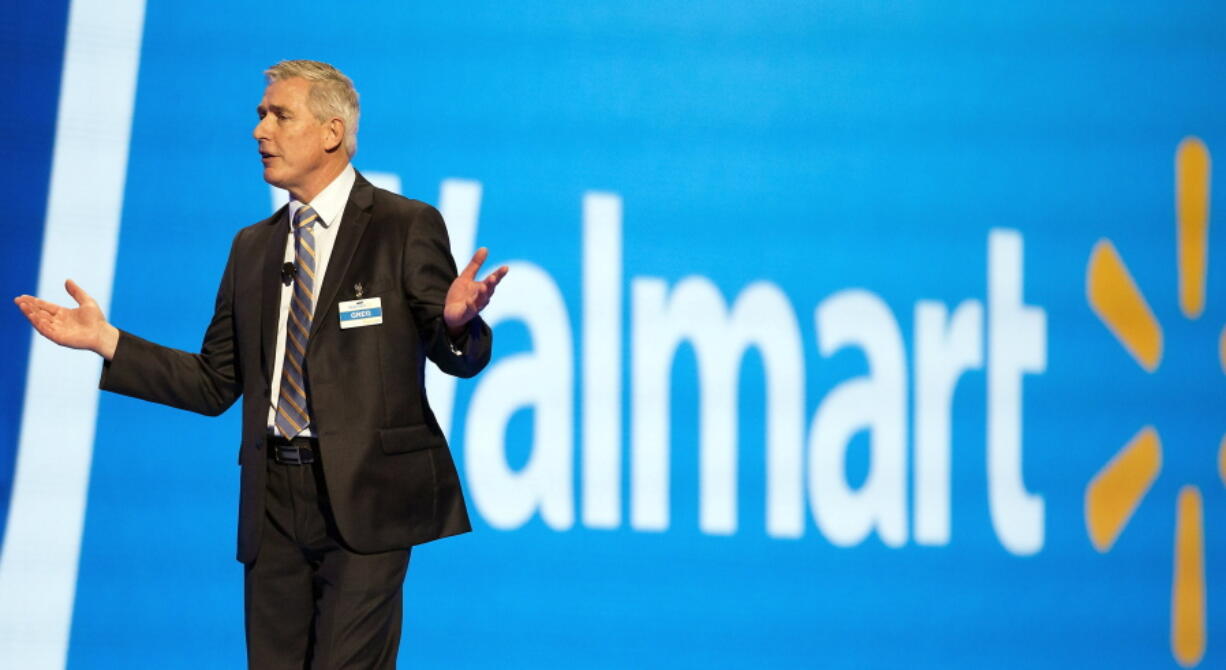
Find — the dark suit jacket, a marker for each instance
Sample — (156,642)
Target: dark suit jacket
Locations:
(388,470)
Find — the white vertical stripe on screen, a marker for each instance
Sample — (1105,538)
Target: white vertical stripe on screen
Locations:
(42,543)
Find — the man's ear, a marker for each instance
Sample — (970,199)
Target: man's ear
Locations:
(334,134)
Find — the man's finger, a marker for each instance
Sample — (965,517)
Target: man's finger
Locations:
(30,305)
(36,312)
(485,299)
(496,276)
(470,272)
(29,312)
(76,292)
(32,310)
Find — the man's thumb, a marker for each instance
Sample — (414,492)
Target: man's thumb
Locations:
(76,292)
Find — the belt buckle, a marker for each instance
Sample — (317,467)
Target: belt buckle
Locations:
(291,455)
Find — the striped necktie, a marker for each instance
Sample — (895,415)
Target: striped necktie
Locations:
(293,413)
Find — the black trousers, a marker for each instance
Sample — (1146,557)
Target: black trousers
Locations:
(310,602)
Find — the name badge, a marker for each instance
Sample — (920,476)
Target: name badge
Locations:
(358,313)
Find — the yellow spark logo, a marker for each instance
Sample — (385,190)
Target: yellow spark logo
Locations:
(1117,489)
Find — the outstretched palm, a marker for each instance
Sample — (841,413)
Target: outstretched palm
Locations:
(82,327)
(467,296)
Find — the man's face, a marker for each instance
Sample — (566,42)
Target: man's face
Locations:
(294,145)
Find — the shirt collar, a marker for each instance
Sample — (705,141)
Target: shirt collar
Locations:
(330,203)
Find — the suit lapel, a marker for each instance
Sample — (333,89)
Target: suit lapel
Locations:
(270,301)
(353,225)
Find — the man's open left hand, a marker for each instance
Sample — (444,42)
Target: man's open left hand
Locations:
(468,296)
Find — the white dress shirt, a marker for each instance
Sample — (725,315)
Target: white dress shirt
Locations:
(330,206)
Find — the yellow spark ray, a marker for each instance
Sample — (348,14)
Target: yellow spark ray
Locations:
(1119,304)
(1221,460)
(1192,166)
(1188,586)
(1118,488)
(1221,350)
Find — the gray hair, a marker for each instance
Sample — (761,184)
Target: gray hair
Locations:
(331,94)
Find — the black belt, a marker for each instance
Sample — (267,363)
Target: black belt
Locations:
(298,451)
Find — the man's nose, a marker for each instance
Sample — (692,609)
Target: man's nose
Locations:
(259,132)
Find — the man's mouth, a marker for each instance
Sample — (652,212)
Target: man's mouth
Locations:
(265,155)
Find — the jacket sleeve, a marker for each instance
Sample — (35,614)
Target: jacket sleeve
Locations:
(428,272)
(208,382)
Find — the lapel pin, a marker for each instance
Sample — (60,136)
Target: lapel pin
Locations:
(358,290)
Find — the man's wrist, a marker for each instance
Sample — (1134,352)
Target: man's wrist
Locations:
(108,342)
(455,330)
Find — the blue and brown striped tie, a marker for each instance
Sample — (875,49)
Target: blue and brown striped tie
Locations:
(293,414)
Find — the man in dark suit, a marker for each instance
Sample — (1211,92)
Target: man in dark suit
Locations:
(324,319)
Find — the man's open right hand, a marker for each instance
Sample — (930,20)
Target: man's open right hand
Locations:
(83,327)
